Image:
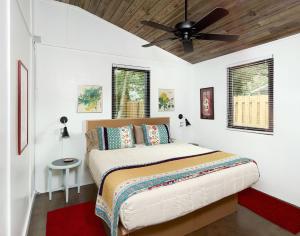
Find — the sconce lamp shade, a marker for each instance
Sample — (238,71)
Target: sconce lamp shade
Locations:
(187,123)
(65,133)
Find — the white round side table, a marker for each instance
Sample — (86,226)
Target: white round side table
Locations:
(65,167)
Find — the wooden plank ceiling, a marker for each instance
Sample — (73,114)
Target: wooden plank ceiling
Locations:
(256,21)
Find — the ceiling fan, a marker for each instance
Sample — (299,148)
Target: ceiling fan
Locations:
(186,31)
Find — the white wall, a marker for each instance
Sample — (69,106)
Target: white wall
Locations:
(277,155)
(79,48)
(20,166)
(4,118)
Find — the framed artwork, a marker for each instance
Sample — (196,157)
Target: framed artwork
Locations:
(207,103)
(89,99)
(166,100)
(22,107)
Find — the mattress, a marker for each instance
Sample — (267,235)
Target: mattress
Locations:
(166,203)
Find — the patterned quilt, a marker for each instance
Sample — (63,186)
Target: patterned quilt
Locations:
(120,183)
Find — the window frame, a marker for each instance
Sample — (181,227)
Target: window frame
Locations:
(230,110)
(147,90)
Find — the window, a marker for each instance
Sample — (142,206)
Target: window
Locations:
(250,96)
(130,93)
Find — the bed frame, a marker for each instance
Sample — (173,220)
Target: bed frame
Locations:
(190,222)
(182,225)
(92,124)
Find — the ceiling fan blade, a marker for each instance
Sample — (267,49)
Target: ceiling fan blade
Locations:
(210,18)
(188,46)
(157,26)
(157,41)
(217,37)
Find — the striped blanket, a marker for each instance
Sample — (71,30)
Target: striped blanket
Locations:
(119,183)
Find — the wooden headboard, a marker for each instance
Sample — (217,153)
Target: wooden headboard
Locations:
(92,124)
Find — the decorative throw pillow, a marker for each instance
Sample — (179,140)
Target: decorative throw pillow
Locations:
(92,141)
(139,135)
(156,134)
(115,138)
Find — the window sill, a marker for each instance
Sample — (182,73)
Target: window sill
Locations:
(251,131)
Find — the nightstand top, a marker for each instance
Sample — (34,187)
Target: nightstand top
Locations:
(60,164)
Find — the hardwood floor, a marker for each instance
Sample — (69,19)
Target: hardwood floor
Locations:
(242,223)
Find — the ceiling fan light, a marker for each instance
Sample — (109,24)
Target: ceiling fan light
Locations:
(186,31)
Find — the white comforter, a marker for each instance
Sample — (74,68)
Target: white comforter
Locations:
(169,202)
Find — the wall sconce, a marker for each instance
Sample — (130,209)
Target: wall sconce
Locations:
(187,123)
(64,133)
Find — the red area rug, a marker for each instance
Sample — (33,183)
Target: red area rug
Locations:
(77,220)
(80,220)
(280,213)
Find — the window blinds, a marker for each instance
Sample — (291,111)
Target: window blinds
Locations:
(250,96)
(130,93)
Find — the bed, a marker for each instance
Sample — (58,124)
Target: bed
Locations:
(175,209)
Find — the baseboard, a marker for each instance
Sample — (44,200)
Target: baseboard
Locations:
(62,188)
(28,215)
(276,198)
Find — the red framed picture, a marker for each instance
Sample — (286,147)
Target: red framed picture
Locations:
(22,107)
(207,103)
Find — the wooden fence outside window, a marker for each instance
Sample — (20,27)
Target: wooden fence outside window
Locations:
(134,109)
(251,111)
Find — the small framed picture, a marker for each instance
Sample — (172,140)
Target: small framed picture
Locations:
(89,99)
(166,100)
(22,107)
(207,103)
